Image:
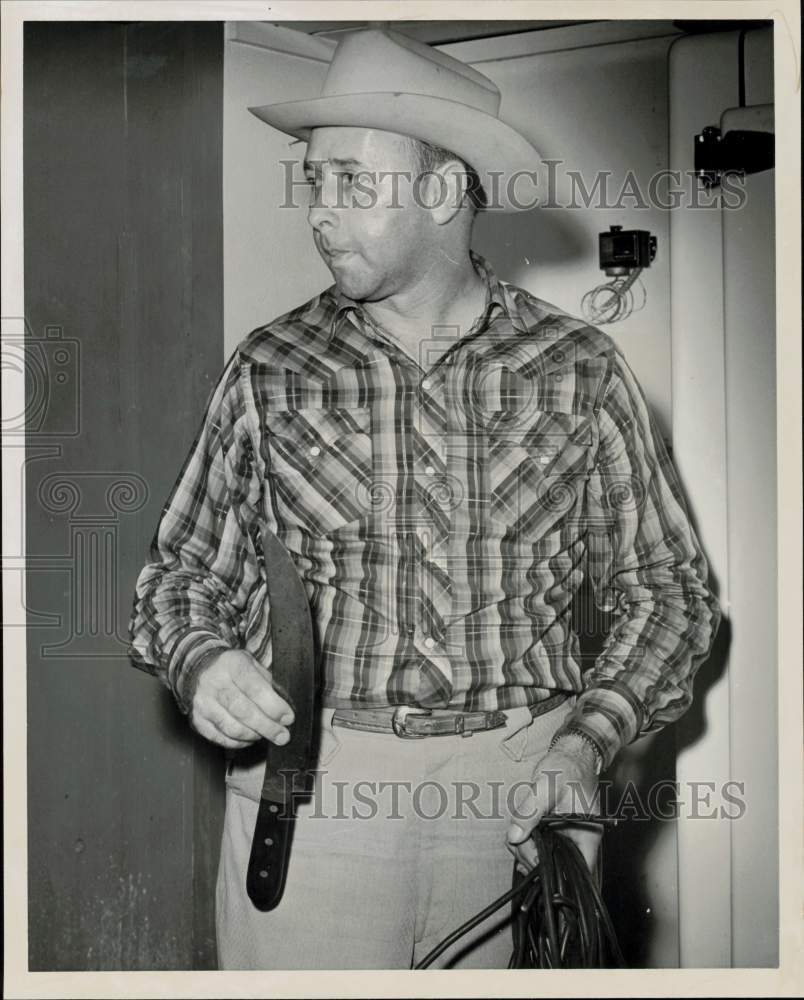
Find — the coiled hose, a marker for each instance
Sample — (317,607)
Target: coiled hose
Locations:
(559,918)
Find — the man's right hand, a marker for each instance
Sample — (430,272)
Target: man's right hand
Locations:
(236,704)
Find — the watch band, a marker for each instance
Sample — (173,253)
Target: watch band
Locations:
(572,731)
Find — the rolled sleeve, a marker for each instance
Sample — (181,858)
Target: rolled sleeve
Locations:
(647,568)
(202,580)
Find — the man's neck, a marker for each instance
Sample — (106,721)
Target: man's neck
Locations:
(451,297)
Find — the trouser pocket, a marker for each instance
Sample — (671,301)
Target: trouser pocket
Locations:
(529,735)
(245,772)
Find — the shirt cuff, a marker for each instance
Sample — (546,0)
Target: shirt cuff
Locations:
(189,656)
(608,718)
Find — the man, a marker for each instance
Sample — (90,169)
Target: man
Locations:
(445,457)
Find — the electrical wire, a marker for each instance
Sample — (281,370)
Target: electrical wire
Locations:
(614,300)
(559,919)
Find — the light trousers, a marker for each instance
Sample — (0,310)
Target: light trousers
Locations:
(401,842)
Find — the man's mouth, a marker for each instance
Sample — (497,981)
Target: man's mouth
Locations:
(331,251)
(335,255)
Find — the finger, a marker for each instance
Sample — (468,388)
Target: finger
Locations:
(226,724)
(524,814)
(258,687)
(246,712)
(588,843)
(205,728)
(530,805)
(526,854)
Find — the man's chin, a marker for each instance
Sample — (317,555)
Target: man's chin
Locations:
(350,288)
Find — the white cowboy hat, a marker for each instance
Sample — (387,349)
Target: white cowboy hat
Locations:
(381,79)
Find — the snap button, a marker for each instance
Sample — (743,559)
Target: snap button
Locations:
(558,357)
(429,642)
(430,470)
(427,384)
(315,450)
(558,377)
(544,459)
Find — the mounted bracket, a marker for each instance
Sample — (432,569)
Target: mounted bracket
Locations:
(730,149)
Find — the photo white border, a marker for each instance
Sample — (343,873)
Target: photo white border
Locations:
(788,980)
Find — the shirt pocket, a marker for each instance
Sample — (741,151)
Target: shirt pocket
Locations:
(320,465)
(538,470)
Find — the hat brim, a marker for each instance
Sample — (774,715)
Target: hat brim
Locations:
(513,173)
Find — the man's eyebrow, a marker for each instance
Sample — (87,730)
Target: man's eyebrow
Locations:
(310,165)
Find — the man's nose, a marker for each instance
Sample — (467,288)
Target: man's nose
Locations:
(320,216)
(325,201)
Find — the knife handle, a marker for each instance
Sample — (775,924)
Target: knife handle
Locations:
(270,847)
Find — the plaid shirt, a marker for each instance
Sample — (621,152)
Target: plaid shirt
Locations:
(442,512)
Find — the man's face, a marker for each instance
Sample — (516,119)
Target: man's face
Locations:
(367,227)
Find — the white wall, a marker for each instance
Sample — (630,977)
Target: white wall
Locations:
(270,263)
(596,109)
(724,380)
(703,80)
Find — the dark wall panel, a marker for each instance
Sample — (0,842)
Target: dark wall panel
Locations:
(123,283)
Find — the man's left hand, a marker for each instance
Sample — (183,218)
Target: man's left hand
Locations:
(564,781)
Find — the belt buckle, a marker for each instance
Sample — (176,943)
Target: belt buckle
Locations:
(398,721)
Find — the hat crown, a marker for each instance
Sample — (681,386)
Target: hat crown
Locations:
(380,79)
(378,60)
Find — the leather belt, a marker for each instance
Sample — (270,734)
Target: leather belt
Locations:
(294,673)
(412,723)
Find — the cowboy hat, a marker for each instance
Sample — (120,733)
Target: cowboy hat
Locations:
(381,79)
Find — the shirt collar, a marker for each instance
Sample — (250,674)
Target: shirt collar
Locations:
(497,302)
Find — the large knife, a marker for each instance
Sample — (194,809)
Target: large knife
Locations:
(294,674)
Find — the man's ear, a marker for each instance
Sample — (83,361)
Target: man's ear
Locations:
(445,191)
